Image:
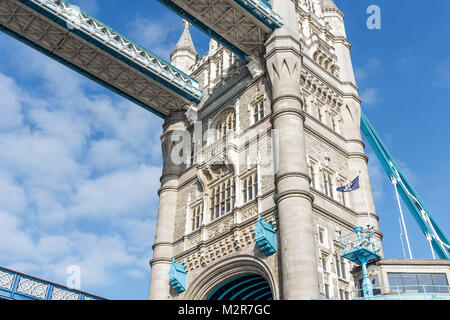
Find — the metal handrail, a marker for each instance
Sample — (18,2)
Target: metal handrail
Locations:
(121,44)
(403,291)
(365,239)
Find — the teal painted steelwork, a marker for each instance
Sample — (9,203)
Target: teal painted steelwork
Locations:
(260,9)
(247,289)
(115,44)
(177,276)
(18,286)
(360,247)
(262,296)
(422,292)
(265,237)
(235,286)
(255,291)
(420,213)
(242,287)
(224,284)
(201,26)
(80,71)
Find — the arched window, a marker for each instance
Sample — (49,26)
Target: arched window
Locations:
(257,109)
(328,183)
(225,124)
(197,217)
(250,187)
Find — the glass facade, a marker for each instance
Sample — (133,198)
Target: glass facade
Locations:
(418,282)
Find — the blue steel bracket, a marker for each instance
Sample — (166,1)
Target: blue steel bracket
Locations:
(177,276)
(265,237)
(429,226)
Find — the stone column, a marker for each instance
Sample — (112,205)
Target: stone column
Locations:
(174,127)
(299,273)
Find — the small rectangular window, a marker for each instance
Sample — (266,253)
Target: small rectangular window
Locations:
(197,217)
(338,266)
(312,175)
(327,291)
(258,110)
(250,187)
(328,184)
(324,262)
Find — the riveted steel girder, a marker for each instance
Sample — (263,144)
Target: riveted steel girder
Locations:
(240,25)
(66,34)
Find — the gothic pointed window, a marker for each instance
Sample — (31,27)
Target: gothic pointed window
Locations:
(197,216)
(250,187)
(312,174)
(328,183)
(225,124)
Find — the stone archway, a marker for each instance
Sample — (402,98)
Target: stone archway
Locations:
(232,270)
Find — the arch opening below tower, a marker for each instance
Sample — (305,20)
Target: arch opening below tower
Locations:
(244,287)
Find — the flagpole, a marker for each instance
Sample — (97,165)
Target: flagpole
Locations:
(365,199)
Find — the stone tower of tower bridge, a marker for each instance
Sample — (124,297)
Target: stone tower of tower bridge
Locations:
(251,211)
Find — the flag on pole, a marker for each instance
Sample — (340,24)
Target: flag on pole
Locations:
(350,187)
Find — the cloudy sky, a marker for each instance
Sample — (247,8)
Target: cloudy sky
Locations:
(80,166)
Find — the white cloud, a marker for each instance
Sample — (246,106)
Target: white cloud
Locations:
(369,70)
(89,6)
(121,192)
(12,196)
(109,154)
(156,35)
(79,173)
(9,104)
(377,177)
(442,75)
(370,96)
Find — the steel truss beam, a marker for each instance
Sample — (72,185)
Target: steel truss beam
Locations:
(429,226)
(59,30)
(242,26)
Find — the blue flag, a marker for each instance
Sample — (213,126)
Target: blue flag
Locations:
(350,187)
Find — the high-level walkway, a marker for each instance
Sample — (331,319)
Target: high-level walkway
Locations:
(75,39)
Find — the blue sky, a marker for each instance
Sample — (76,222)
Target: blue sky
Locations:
(80,166)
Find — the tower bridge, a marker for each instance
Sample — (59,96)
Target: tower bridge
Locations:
(263,222)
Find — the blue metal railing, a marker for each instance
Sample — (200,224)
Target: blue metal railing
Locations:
(406,292)
(365,239)
(18,286)
(94,30)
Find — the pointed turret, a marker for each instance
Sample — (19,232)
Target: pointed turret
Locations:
(184,56)
(334,17)
(328,4)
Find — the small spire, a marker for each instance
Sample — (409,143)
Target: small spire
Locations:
(328,4)
(185,42)
(184,56)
